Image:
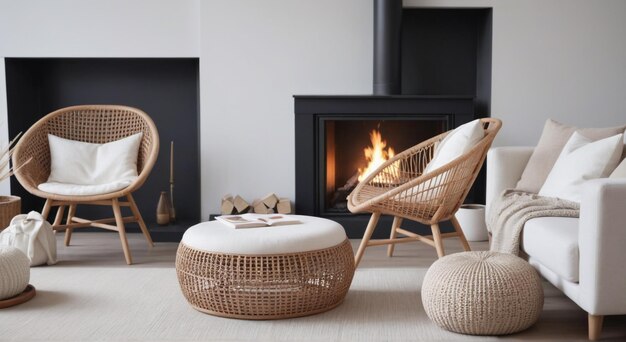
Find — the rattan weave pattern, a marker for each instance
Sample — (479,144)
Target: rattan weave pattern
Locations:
(10,206)
(400,188)
(482,293)
(87,123)
(265,286)
(93,124)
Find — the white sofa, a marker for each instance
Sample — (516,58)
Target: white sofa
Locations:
(584,257)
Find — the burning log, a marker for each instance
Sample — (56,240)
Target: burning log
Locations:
(376,155)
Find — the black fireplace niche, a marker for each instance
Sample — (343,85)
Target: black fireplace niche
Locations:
(165,88)
(332,132)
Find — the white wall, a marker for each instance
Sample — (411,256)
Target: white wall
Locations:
(255,56)
(105,28)
(564,59)
(561,59)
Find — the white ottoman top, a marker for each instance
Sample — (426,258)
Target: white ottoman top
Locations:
(311,234)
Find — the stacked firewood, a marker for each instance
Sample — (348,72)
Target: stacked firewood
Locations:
(267,205)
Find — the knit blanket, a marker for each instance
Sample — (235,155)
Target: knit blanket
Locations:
(508,214)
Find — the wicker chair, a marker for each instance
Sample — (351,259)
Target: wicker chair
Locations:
(400,188)
(94,124)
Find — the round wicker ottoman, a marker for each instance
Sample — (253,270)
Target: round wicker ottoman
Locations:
(482,293)
(265,273)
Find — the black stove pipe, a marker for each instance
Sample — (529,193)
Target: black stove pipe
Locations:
(387,25)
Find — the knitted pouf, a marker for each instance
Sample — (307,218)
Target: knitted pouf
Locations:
(14,271)
(482,293)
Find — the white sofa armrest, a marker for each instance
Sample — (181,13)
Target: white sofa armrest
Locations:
(602,247)
(505,166)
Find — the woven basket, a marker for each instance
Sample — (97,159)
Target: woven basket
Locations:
(10,206)
(482,293)
(265,286)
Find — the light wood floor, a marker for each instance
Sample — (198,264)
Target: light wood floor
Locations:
(561,318)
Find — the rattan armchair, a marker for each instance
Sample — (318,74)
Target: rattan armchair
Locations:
(401,189)
(94,124)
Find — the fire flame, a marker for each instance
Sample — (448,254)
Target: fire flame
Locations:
(375,155)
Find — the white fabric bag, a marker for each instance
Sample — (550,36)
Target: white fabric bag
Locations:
(32,235)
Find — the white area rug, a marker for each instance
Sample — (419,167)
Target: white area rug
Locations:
(88,301)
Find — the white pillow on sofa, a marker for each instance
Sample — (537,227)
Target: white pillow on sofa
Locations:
(580,160)
(620,170)
(457,142)
(82,163)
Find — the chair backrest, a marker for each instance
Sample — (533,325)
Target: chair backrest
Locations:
(400,187)
(88,123)
(464,170)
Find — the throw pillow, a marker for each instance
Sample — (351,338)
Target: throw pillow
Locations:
(83,163)
(581,159)
(620,170)
(457,142)
(553,138)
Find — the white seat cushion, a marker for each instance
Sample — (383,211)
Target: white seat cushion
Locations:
(84,190)
(553,241)
(312,234)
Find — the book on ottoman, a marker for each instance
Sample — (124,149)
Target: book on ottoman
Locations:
(256,220)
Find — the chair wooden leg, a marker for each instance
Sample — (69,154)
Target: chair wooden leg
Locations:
(119,221)
(595,326)
(46,209)
(68,232)
(438,240)
(59,216)
(142,224)
(366,238)
(459,231)
(397,221)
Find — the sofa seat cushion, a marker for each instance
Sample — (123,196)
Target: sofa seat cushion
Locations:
(553,241)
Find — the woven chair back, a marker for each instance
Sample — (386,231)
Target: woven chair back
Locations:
(400,188)
(88,123)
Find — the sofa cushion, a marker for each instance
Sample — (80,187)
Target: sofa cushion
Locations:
(580,161)
(554,136)
(620,170)
(553,241)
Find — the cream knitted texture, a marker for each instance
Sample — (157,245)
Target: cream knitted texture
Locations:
(509,213)
(14,271)
(482,293)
